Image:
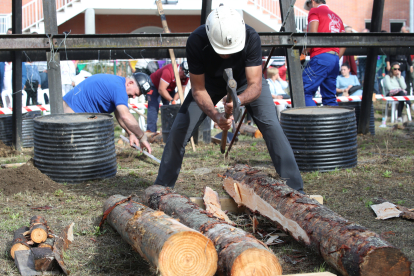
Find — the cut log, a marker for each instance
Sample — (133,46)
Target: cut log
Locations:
(212,203)
(163,241)
(348,247)
(154,138)
(44,259)
(38,229)
(62,243)
(250,131)
(47,244)
(14,165)
(19,241)
(239,252)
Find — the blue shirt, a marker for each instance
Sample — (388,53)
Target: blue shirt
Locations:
(343,83)
(276,87)
(24,77)
(32,73)
(100,93)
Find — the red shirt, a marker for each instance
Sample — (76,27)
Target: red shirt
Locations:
(282,72)
(166,74)
(329,22)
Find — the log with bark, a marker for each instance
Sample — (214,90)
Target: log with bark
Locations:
(212,203)
(44,259)
(154,137)
(239,252)
(39,231)
(19,241)
(163,241)
(250,131)
(348,247)
(62,243)
(47,244)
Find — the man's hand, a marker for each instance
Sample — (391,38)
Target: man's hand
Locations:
(228,107)
(222,122)
(279,97)
(133,140)
(143,143)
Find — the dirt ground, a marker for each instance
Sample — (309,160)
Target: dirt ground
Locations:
(384,170)
(6,151)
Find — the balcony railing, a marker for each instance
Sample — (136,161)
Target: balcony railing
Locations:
(5,23)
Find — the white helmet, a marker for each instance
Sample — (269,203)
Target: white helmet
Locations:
(226,30)
(307,5)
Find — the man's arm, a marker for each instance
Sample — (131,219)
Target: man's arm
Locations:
(254,85)
(128,122)
(162,90)
(204,101)
(341,52)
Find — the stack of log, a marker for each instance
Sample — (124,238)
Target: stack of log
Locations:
(46,249)
(348,247)
(239,253)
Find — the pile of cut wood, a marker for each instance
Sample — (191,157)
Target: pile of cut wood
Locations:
(37,249)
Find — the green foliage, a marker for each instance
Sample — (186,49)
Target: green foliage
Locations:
(321,268)
(59,192)
(368,203)
(387,173)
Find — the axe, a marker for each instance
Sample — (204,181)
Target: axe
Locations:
(231,97)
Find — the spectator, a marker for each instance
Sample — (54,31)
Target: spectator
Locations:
(9,31)
(68,73)
(32,83)
(362,63)
(405,29)
(394,85)
(347,84)
(280,63)
(350,59)
(276,84)
(163,88)
(323,67)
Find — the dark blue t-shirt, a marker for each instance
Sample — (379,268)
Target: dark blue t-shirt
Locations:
(100,93)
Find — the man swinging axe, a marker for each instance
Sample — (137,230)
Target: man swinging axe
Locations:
(225,41)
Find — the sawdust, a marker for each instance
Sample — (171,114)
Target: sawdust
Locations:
(6,151)
(26,178)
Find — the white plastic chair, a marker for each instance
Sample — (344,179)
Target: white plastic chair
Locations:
(141,119)
(7,98)
(41,96)
(394,109)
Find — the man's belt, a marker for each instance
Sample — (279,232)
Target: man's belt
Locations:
(332,53)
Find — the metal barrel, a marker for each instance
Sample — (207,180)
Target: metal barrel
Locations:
(322,138)
(27,128)
(168,114)
(357,107)
(6,129)
(73,148)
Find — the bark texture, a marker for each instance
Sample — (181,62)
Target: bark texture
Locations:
(250,131)
(163,241)
(39,230)
(154,138)
(239,252)
(350,248)
(44,259)
(62,243)
(19,241)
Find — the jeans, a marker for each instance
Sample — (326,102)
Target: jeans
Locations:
(401,103)
(31,90)
(153,106)
(322,71)
(190,116)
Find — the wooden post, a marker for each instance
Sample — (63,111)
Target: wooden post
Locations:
(370,71)
(172,55)
(53,59)
(17,77)
(205,11)
(293,58)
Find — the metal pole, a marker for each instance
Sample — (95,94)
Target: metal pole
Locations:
(370,71)
(205,11)
(17,77)
(53,59)
(293,59)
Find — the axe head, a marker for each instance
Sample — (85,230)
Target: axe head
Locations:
(232,92)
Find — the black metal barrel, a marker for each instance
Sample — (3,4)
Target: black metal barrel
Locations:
(27,128)
(357,107)
(74,148)
(6,129)
(168,114)
(322,138)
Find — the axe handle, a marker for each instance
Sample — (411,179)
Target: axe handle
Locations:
(224,133)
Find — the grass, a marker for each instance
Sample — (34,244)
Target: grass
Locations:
(350,193)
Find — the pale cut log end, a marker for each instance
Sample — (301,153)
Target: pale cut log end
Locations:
(386,261)
(256,261)
(258,134)
(188,253)
(38,235)
(18,247)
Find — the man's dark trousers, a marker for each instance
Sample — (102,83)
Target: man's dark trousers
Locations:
(31,90)
(153,106)
(263,112)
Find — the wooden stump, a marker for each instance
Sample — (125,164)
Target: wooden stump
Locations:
(62,243)
(163,241)
(154,138)
(250,131)
(348,247)
(47,244)
(239,252)
(44,259)
(19,241)
(38,229)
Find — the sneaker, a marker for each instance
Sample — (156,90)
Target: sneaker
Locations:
(399,120)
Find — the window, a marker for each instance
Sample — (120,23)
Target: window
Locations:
(396,25)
